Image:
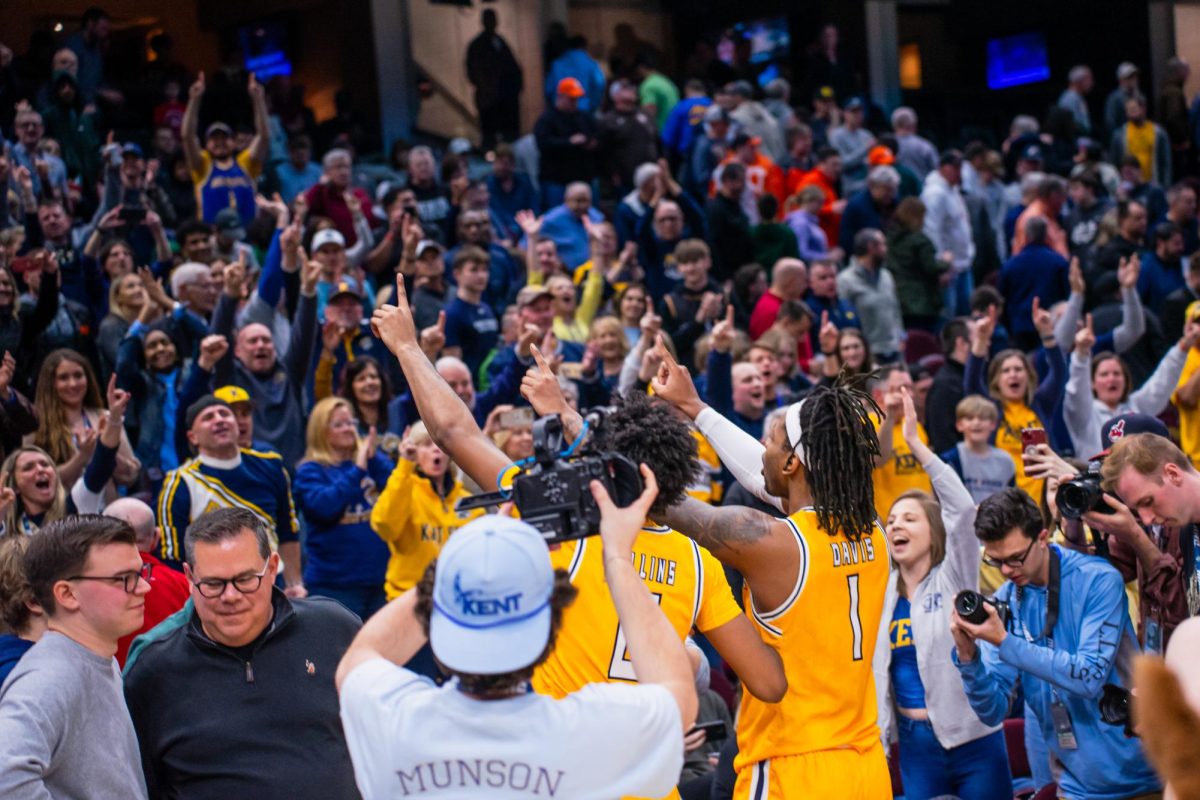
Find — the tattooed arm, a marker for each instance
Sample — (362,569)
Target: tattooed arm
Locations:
(759,546)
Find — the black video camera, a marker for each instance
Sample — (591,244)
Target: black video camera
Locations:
(552,493)
(1114,707)
(970,606)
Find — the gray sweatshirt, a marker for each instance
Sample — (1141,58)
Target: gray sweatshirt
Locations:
(1085,415)
(954,722)
(873,293)
(64,729)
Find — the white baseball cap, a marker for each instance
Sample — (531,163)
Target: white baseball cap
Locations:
(327,236)
(491,597)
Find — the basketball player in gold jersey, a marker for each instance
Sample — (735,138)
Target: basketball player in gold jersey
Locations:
(685,578)
(815,585)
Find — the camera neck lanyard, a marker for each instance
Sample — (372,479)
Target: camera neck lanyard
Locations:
(1052,594)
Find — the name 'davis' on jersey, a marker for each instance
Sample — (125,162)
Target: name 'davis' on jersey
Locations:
(848,553)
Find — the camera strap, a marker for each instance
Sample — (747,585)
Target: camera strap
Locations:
(1053,588)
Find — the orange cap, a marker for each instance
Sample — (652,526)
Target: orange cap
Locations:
(880,155)
(571,88)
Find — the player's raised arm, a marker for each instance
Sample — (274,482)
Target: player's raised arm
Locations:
(448,420)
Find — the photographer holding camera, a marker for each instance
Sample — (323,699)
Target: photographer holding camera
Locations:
(1152,554)
(1159,484)
(491,607)
(1062,629)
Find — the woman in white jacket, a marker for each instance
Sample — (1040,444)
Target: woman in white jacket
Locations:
(944,748)
(1098,388)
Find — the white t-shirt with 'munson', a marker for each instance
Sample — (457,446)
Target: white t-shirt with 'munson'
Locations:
(409,738)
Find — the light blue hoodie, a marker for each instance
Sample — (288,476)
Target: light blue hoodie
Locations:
(1094,644)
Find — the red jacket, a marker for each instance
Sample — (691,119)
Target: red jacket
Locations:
(169,590)
(324,201)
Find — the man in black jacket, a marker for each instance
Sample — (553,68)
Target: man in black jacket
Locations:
(728,225)
(567,143)
(947,387)
(234,695)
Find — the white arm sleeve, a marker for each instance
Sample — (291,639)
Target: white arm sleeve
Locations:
(1133,321)
(629,371)
(740,452)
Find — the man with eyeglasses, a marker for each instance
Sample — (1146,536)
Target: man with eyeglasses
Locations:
(1067,635)
(64,727)
(234,696)
(48,172)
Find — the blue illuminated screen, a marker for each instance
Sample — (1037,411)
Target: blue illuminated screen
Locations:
(1017,60)
(264,49)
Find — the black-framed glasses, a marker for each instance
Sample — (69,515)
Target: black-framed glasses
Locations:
(213,588)
(129,580)
(1012,562)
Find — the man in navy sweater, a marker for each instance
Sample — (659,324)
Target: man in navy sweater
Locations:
(1037,272)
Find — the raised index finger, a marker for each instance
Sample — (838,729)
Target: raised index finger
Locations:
(539,359)
(660,344)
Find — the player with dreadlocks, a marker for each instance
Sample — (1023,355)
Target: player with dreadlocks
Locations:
(815,584)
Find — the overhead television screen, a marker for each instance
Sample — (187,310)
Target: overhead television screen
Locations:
(768,38)
(264,49)
(1017,60)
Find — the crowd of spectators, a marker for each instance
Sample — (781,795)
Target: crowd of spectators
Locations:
(186,347)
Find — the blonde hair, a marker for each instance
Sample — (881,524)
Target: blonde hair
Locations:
(1146,453)
(316,436)
(12,518)
(114,290)
(610,325)
(976,406)
(418,434)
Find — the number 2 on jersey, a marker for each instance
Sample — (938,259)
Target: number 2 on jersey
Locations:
(855,618)
(620,668)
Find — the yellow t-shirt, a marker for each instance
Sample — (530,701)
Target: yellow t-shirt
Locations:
(1189,418)
(415,522)
(901,473)
(1014,417)
(825,634)
(1139,142)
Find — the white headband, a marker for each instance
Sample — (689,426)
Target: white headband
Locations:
(791,423)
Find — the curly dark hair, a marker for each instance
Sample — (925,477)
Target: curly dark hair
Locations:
(840,447)
(646,431)
(561,596)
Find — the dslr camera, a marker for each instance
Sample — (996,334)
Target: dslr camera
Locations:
(551,491)
(970,605)
(1114,707)
(1082,494)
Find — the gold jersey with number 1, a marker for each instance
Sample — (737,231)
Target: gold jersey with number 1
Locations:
(685,580)
(822,740)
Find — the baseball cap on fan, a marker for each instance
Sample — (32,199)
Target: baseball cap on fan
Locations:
(1124,425)
(571,87)
(491,597)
